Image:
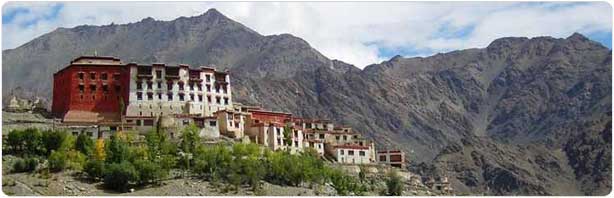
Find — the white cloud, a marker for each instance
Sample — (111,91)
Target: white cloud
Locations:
(349,31)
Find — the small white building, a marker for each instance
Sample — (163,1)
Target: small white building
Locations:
(352,154)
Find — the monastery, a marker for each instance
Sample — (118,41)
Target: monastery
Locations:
(100,95)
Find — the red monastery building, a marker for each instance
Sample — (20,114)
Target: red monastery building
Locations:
(89,90)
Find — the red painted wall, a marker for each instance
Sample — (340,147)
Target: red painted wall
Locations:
(67,96)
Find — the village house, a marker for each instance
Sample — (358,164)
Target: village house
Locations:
(394,158)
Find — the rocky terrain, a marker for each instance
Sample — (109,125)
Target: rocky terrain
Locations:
(525,116)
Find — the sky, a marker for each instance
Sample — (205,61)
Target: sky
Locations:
(359,33)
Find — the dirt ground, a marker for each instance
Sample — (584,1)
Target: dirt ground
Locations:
(69,184)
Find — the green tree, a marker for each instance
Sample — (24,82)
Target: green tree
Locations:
(52,140)
(394,185)
(117,149)
(119,176)
(15,141)
(85,144)
(149,172)
(57,161)
(32,142)
(95,169)
(190,139)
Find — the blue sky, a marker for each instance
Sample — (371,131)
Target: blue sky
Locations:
(360,33)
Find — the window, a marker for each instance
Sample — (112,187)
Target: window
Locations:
(105,88)
(180,97)
(139,85)
(200,87)
(93,88)
(170,98)
(224,89)
(115,76)
(180,86)
(103,76)
(138,122)
(345,137)
(139,96)
(93,76)
(149,85)
(192,97)
(207,78)
(342,152)
(80,76)
(295,143)
(148,122)
(191,86)
(186,122)
(117,88)
(336,137)
(217,100)
(217,89)
(278,141)
(149,96)
(90,134)
(361,153)
(169,86)
(81,88)
(158,74)
(225,101)
(321,136)
(208,88)
(159,96)
(212,123)
(200,98)
(209,99)
(159,85)
(350,152)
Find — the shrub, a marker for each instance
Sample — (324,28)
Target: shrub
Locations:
(52,140)
(394,185)
(118,176)
(95,169)
(32,142)
(57,161)
(117,149)
(25,165)
(14,141)
(149,172)
(84,144)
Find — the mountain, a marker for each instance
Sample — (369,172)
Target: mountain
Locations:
(522,116)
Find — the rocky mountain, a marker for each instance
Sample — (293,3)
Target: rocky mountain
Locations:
(522,116)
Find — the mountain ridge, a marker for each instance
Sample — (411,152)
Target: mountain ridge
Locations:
(518,96)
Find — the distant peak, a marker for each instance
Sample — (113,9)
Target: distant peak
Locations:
(148,19)
(577,36)
(213,13)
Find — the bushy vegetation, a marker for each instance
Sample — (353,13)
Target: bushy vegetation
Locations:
(121,164)
(394,184)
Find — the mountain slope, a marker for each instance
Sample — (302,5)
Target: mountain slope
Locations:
(532,110)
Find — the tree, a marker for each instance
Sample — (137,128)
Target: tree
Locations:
(99,150)
(57,160)
(15,141)
(85,144)
(118,176)
(25,165)
(149,172)
(32,141)
(190,139)
(394,185)
(117,149)
(95,169)
(52,140)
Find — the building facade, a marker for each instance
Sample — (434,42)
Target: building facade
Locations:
(394,158)
(158,90)
(90,90)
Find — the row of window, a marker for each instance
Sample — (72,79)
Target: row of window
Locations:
(93,88)
(159,75)
(93,75)
(351,152)
(169,97)
(169,86)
